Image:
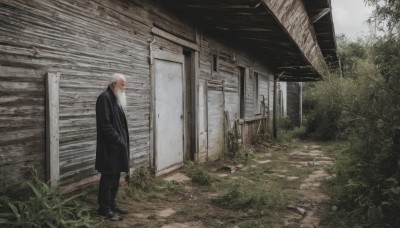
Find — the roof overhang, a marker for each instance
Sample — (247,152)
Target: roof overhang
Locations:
(278,33)
(320,13)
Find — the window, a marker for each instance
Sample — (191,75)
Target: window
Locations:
(256,94)
(215,63)
(242,75)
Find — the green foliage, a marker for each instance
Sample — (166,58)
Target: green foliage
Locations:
(244,154)
(386,14)
(291,135)
(199,175)
(363,109)
(387,56)
(350,54)
(43,206)
(141,179)
(326,105)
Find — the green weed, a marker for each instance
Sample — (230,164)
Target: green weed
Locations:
(199,175)
(44,206)
(244,154)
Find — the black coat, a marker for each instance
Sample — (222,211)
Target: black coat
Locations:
(112,151)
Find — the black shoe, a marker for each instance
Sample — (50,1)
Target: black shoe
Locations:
(116,218)
(108,214)
(122,211)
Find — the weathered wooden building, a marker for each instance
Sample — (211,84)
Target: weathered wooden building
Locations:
(289,103)
(195,69)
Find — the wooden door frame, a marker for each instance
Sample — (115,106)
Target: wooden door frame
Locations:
(190,139)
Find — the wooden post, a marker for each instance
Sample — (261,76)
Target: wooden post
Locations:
(206,96)
(52,128)
(301,104)
(275,122)
(196,73)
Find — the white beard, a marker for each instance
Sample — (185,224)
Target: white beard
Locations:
(121,98)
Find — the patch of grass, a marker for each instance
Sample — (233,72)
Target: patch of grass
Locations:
(142,186)
(44,206)
(292,135)
(199,174)
(253,196)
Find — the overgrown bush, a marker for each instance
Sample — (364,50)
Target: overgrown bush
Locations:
(141,179)
(43,206)
(375,162)
(365,111)
(327,104)
(244,154)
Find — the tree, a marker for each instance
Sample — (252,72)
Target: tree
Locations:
(386,14)
(350,53)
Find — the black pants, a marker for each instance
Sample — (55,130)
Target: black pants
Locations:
(107,191)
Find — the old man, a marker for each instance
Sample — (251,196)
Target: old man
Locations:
(112,152)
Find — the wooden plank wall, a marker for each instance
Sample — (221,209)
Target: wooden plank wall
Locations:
(230,59)
(22,118)
(215,126)
(85,41)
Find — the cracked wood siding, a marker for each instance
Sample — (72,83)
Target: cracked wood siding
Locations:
(85,41)
(293,17)
(22,119)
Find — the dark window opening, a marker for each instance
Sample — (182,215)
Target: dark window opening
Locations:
(256,94)
(215,62)
(242,87)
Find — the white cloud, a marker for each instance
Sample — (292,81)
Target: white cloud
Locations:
(350,17)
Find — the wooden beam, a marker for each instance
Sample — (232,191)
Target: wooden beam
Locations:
(295,21)
(243,29)
(175,39)
(320,15)
(52,128)
(217,7)
(296,67)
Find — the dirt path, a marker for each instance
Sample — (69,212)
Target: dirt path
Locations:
(275,187)
(311,195)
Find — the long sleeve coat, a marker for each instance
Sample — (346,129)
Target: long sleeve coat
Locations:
(112,151)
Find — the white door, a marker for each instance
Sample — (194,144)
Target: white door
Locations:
(168,116)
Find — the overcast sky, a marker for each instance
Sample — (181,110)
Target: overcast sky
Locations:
(349,17)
